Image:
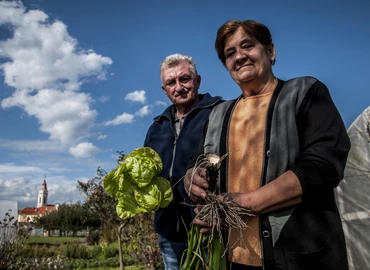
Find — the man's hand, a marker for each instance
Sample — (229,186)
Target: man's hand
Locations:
(196,184)
(204,228)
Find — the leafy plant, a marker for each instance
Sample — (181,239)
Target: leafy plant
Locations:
(135,184)
(76,252)
(207,251)
(12,238)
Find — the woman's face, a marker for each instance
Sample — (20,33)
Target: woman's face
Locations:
(247,59)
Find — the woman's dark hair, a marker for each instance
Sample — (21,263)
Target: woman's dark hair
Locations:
(256,30)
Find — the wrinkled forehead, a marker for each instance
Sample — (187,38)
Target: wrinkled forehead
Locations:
(239,34)
(175,70)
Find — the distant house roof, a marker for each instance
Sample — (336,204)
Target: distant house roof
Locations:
(36,210)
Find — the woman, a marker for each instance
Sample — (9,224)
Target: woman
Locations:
(287,147)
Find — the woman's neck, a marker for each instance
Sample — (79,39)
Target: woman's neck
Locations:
(259,88)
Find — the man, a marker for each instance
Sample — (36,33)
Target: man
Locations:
(175,136)
(286,148)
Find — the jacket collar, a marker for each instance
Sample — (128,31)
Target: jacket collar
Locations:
(205,101)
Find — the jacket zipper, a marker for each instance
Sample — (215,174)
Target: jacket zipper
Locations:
(171,170)
(174,152)
(171,173)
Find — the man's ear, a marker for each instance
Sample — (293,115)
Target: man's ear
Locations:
(199,79)
(164,90)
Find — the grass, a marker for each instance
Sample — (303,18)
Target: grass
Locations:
(55,239)
(102,257)
(56,244)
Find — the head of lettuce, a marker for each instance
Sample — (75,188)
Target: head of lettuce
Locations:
(135,184)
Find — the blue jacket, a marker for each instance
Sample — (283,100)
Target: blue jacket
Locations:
(173,221)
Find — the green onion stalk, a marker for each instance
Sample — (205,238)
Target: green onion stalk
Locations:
(207,251)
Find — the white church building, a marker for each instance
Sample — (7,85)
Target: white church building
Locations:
(28,214)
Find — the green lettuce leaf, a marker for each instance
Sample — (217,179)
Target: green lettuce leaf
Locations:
(127,206)
(142,164)
(140,170)
(148,197)
(148,153)
(123,183)
(110,183)
(135,184)
(165,187)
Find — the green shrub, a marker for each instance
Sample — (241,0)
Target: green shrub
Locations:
(12,238)
(133,267)
(109,252)
(95,251)
(109,233)
(128,259)
(37,251)
(44,251)
(55,240)
(93,237)
(27,251)
(40,264)
(139,250)
(76,252)
(142,241)
(93,263)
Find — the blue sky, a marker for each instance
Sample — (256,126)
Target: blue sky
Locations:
(79,80)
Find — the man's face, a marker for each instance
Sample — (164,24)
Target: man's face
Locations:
(180,84)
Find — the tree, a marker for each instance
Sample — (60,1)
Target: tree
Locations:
(100,202)
(138,233)
(68,219)
(104,205)
(12,238)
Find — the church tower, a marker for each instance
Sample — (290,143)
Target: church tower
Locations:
(42,199)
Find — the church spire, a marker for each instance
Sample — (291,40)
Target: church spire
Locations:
(44,186)
(42,199)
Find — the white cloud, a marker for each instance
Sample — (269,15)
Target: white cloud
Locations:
(102,137)
(124,118)
(46,67)
(144,111)
(65,115)
(11,12)
(83,150)
(160,103)
(11,168)
(136,96)
(14,187)
(37,146)
(62,190)
(104,99)
(115,157)
(25,191)
(43,54)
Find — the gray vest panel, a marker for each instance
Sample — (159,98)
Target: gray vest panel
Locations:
(284,140)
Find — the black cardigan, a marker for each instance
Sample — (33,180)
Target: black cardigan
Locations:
(304,134)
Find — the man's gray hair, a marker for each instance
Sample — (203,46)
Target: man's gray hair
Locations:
(175,59)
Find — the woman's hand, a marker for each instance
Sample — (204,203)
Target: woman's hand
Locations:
(241,199)
(195,184)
